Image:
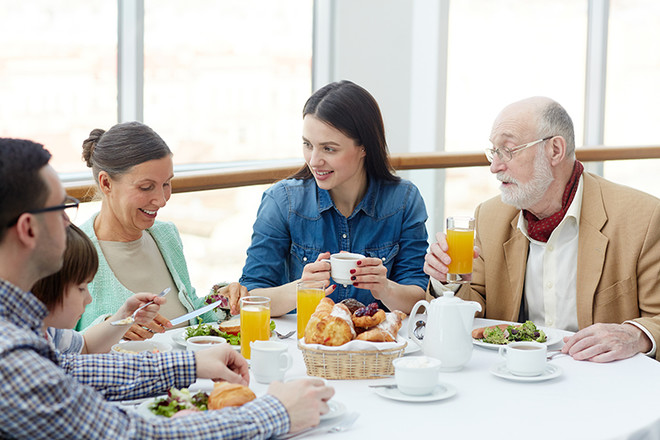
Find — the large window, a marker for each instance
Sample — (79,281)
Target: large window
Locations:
(58,81)
(500,52)
(633,90)
(223,81)
(226,80)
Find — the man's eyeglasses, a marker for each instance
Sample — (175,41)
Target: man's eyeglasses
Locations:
(506,154)
(69,208)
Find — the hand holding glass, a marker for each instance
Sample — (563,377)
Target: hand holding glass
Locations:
(460,241)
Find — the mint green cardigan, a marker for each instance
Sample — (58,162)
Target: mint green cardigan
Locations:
(108,294)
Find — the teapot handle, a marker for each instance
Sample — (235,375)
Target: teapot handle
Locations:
(411,320)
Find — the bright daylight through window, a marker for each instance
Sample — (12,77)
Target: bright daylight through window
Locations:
(225,81)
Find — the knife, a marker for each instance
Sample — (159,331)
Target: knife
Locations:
(189,316)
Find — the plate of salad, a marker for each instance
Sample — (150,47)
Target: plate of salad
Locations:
(496,335)
(176,400)
(183,399)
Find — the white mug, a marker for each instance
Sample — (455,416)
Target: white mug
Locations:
(416,375)
(269,360)
(525,358)
(341,265)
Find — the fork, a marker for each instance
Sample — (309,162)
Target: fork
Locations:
(284,336)
(131,319)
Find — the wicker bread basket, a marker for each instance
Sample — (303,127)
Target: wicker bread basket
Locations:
(366,364)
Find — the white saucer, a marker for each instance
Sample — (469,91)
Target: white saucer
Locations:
(442,391)
(336,409)
(500,370)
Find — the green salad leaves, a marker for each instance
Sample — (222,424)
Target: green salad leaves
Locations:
(202,329)
(177,400)
(524,332)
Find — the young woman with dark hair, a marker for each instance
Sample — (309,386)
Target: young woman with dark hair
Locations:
(345,198)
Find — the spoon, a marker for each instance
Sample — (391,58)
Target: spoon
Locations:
(387,386)
(129,320)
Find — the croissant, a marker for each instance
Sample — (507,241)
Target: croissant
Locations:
(330,324)
(386,331)
(229,394)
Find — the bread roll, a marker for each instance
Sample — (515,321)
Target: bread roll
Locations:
(231,326)
(229,394)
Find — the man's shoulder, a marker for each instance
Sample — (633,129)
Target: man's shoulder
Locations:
(619,191)
(13,335)
(617,200)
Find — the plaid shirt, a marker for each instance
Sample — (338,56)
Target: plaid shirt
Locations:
(47,395)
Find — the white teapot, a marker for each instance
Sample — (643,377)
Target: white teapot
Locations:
(448,333)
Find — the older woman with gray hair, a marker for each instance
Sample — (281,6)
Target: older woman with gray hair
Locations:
(133,169)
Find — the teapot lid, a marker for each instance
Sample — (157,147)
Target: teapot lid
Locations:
(448,297)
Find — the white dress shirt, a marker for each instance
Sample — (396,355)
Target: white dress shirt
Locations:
(551,272)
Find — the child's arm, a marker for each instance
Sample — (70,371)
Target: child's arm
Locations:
(101,337)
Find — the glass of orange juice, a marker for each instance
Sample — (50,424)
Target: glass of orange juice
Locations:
(460,240)
(308,296)
(255,321)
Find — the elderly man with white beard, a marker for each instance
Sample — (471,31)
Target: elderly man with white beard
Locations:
(561,247)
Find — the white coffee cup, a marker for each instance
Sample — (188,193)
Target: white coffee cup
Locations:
(416,375)
(525,358)
(341,265)
(269,360)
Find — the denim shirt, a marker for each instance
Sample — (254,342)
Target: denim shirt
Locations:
(297,221)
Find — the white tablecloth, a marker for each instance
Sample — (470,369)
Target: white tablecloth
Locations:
(588,401)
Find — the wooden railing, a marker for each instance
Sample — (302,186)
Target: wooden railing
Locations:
(264,173)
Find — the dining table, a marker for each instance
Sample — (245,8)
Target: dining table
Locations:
(582,399)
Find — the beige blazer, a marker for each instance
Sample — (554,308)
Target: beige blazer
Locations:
(618,258)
